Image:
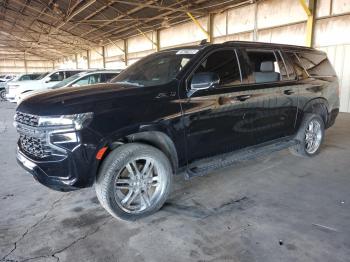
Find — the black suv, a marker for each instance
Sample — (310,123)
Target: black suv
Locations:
(187,110)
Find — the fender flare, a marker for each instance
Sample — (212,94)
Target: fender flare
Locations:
(318,106)
(153,135)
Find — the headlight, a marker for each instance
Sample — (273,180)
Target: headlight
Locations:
(77,121)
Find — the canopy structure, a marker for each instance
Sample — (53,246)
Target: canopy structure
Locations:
(56,28)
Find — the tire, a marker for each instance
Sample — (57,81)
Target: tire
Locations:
(2,95)
(134,181)
(306,137)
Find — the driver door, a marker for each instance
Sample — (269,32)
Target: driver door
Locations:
(217,119)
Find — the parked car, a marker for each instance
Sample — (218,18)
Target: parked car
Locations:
(80,79)
(3,81)
(186,110)
(44,81)
(6,78)
(22,77)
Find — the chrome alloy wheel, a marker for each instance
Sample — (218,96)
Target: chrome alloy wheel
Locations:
(139,185)
(313,136)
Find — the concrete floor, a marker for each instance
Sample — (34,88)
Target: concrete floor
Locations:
(276,208)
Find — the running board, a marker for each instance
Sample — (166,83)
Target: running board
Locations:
(207,165)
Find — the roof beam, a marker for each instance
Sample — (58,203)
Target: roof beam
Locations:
(159,7)
(134,10)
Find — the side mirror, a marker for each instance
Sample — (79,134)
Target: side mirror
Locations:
(48,79)
(75,85)
(205,80)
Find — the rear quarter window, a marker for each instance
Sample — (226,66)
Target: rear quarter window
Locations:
(316,64)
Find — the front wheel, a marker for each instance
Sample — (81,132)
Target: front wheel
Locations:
(310,136)
(134,181)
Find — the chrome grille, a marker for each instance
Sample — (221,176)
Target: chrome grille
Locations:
(27,119)
(34,146)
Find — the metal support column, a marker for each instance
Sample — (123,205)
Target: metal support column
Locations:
(126,52)
(25,63)
(76,61)
(146,36)
(255,33)
(158,40)
(199,25)
(88,59)
(103,56)
(210,28)
(309,7)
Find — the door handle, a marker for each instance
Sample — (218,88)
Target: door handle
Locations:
(243,97)
(288,92)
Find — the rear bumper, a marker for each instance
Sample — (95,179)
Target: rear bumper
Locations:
(332,117)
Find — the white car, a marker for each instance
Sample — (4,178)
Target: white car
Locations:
(6,78)
(46,80)
(21,77)
(80,79)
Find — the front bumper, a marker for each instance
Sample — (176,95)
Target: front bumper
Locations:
(74,169)
(51,181)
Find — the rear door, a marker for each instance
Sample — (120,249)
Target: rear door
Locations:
(274,94)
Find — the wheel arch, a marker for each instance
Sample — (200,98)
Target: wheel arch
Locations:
(157,139)
(318,106)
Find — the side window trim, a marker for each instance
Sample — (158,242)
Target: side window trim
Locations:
(239,66)
(307,73)
(287,61)
(205,57)
(276,57)
(285,65)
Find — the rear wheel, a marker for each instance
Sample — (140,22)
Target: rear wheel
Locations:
(310,136)
(2,95)
(134,181)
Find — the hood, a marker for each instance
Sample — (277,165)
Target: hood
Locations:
(72,100)
(22,83)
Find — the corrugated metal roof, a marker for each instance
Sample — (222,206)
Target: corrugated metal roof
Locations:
(56,28)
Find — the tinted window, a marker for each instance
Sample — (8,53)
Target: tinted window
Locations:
(156,69)
(58,76)
(42,76)
(289,68)
(72,73)
(316,64)
(225,64)
(25,77)
(88,80)
(94,79)
(264,66)
(68,80)
(83,81)
(34,76)
(108,76)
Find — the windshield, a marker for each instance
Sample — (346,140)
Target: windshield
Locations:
(42,76)
(156,69)
(68,80)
